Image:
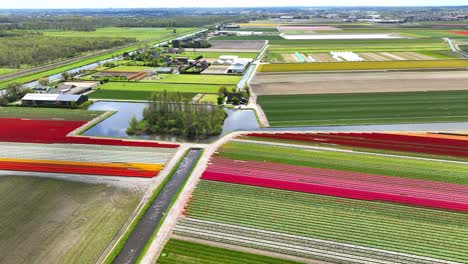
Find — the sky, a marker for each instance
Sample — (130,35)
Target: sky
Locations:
(216,3)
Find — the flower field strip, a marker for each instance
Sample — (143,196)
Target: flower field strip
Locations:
(292,245)
(430,170)
(341,184)
(378,225)
(179,251)
(134,166)
(136,156)
(435,135)
(54,131)
(363,65)
(396,142)
(465,33)
(84,168)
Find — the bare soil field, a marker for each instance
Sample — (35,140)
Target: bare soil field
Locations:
(242,45)
(216,69)
(56,221)
(310,83)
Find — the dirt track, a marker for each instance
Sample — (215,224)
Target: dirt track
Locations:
(310,83)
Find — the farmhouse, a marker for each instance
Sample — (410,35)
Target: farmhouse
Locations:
(239,65)
(33,99)
(74,87)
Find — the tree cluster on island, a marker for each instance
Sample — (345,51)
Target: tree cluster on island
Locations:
(172,114)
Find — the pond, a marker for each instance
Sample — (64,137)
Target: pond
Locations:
(237,120)
(116,125)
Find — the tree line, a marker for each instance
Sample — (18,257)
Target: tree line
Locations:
(84,23)
(35,50)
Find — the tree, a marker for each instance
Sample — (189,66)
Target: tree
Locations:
(176,43)
(66,76)
(235,101)
(44,81)
(220,100)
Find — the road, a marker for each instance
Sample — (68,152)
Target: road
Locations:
(454,48)
(151,219)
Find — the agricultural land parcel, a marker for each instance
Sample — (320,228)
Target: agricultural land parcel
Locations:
(178,251)
(362,82)
(153,87)
(365,108)
(6,71)
(60,221)
(371,45)
(48,113)
(364,65)
(227,208)
(35,76)
(183,78)
(138,33)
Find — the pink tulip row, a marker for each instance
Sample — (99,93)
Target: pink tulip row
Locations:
(340,183)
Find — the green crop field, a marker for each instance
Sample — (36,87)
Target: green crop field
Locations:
(138,33)
(154,87)
(46,220)
(363,65)
(464,47)
(128,95)
(197,79)
(209,98)
(179,251)
(124,68)
(406,229)
(6,71)
(366,108)
(439,171)
(48,113)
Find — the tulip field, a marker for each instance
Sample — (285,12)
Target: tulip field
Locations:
(333,204)
(434,144)
(44,146)
(56,131)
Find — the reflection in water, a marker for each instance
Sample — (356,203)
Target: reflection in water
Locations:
(116,125)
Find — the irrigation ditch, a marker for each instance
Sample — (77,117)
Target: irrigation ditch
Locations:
(155,214)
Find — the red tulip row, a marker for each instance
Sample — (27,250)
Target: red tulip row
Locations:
(340,183)
(56,131)
(395,142)
(77,169)
(460,32)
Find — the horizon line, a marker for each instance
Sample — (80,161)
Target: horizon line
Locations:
(228,7)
